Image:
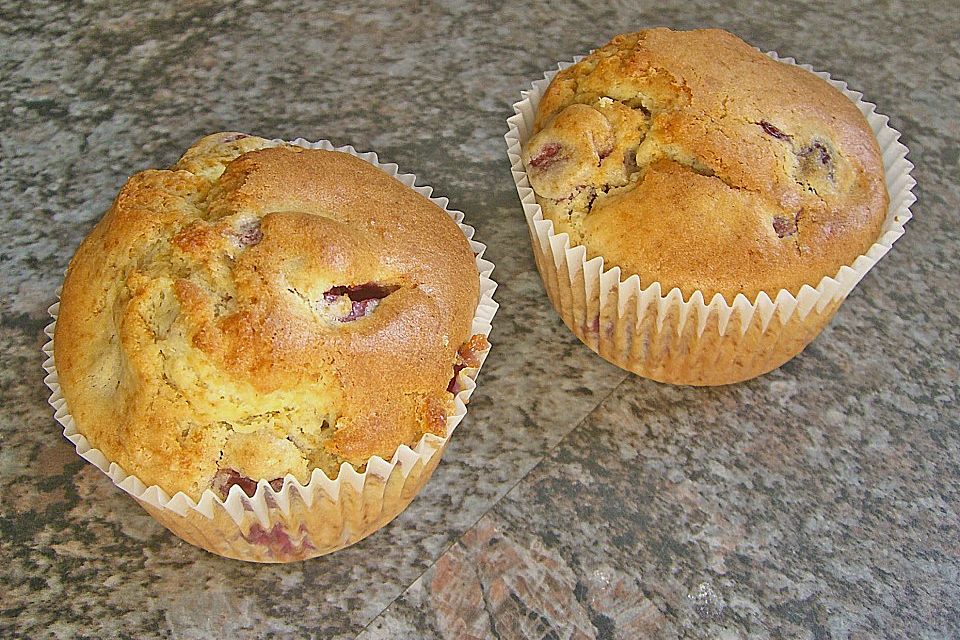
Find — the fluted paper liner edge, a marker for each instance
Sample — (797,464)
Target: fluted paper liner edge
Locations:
(660,335)
(322,515)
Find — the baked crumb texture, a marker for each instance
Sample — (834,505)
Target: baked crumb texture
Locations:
(693,160)
(260,309)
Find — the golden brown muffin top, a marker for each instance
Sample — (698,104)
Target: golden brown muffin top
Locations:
(692,159)
(259,309)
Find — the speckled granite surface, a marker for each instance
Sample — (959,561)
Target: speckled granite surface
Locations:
(576,501)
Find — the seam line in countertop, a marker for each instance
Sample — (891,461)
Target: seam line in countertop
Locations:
(493,506)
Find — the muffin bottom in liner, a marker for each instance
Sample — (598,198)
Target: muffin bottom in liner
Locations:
(661,336)
(303,523)
(299,521)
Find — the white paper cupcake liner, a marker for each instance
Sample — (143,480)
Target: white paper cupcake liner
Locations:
(300,520)
(658,334)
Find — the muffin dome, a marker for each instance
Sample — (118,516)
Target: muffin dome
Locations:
(261,309)
(693,160)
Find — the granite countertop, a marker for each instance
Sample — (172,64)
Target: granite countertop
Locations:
(576,500)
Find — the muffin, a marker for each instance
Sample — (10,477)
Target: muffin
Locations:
(262,315)
(714,180)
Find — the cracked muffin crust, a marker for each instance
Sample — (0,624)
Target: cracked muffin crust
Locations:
(260,309)
(693,160)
